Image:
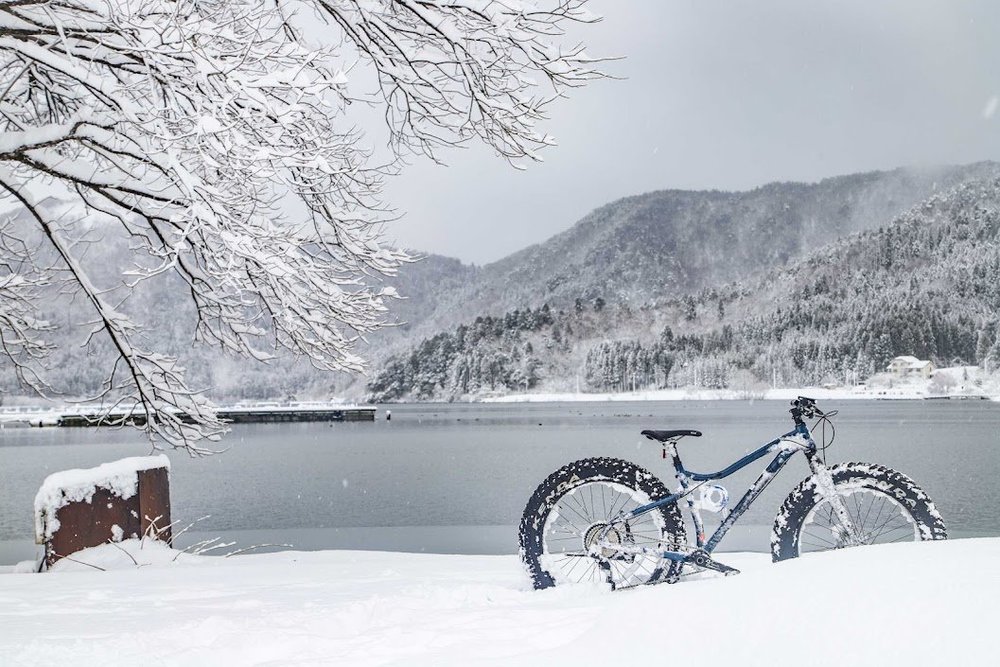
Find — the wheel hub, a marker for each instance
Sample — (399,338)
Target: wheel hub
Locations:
(611,537)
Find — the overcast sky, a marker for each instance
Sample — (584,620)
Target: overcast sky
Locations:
(728,95)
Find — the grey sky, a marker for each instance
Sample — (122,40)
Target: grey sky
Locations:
(726,95)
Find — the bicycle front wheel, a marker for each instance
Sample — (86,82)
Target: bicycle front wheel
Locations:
(569,532)
(883,506)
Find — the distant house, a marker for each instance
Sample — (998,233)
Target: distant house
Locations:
(908,367)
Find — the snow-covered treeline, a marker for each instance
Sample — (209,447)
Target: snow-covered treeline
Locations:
(490,354)
(626,365)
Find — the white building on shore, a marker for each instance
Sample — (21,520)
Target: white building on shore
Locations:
(910,367)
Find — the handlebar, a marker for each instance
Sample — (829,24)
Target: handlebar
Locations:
(804,407)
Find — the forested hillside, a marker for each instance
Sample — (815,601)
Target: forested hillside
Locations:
(926,284)
(661,245)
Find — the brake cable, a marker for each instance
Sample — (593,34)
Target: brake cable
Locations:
(822,422)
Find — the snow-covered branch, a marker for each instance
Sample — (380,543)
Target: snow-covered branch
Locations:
(193,125)
(453,71)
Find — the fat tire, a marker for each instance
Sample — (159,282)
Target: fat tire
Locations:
(788,523)
(578,473)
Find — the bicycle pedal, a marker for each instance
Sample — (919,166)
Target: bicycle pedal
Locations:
(704,561)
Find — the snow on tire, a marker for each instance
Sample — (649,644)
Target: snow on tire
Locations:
(573,507)
(883,506)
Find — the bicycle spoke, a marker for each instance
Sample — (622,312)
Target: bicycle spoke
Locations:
(887,531)
(880,509)
(586,521)
(871,505)
(614,503)
(881,526)
(576,564)
(820,547)
(899,539)
(854,517)
(570,529)
(903,532)
(583,513)
(820,537)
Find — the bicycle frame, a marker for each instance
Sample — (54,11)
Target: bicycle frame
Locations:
(786,446)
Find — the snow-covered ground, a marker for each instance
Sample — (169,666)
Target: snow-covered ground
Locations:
(903,604)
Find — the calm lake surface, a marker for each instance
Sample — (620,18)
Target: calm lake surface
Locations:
(455,478)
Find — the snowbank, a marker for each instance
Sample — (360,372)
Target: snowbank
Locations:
(68,486)
(900,604)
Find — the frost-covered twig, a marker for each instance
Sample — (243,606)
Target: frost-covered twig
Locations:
(188,527)
(220,545)
(80,562)
(152,531)
(124,551)
(195,548)
(199,548)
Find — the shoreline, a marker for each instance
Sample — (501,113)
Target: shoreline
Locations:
(14,416)
(689,394)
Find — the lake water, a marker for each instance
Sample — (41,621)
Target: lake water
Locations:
(455,478)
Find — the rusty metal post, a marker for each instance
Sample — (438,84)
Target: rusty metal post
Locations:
(83,524)
(154,504)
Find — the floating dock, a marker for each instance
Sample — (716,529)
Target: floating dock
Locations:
(266,413)
(958,397)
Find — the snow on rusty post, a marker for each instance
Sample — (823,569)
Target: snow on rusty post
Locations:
(77,509)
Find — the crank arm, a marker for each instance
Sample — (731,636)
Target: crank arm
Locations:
(701,559)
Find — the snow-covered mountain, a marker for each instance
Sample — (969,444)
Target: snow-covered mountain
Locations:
(926,283)
(591,307)
(661,245)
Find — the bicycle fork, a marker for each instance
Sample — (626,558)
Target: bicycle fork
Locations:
(828,491)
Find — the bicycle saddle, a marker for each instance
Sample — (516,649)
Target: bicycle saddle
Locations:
(663,436)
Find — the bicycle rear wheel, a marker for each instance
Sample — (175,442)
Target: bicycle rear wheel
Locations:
(883,506)
(577,505)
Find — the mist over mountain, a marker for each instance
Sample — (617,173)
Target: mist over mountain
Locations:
(661,245)
(665,287)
